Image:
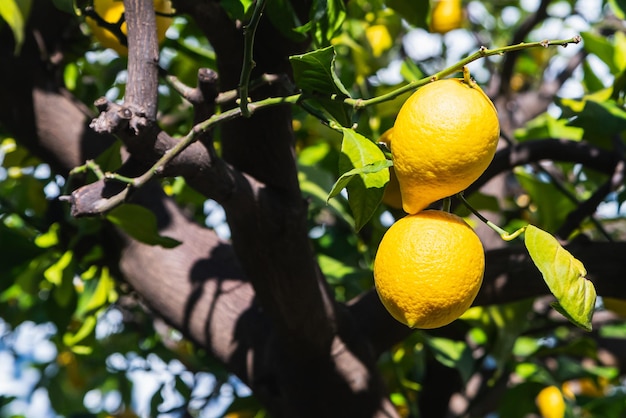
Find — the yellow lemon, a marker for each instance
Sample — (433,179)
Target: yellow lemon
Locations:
(446,15)
(428,268)
(392,196)
(445,136)
(379,39)
(111,11)
(550,402)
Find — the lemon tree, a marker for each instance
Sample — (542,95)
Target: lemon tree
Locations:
(312,209)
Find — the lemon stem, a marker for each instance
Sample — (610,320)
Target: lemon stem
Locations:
(447,204)
(503,234)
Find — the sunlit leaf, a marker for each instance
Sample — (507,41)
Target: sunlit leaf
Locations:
(86,328)
(327,16)
(367,175)
(314,73)
(141,224)
(564,275)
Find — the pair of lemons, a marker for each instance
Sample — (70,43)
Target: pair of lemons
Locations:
(430,264)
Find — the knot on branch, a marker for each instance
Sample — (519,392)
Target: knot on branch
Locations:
(117,118)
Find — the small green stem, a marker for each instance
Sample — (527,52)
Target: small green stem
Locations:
(447,204)
(248,59)
(455,68)
(503,234)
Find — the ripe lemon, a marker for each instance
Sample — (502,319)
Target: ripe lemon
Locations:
(392,196)
(446,15)
(550,402)
(111,11)
(429,268)
(445,136)
(379,39)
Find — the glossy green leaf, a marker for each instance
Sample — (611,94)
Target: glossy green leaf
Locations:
(564,275)
(345,178)
(327,16)
(365,175)
(314,74)
(141,224)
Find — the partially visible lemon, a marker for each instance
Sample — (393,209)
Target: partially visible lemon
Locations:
(392,196)
(446,15)
(428,268)
(379,39)
(550,402)
(585,386)
(445,136)
(111,11)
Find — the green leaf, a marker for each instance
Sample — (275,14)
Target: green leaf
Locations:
(86,328)
(346,177)
(546,126)
(602,48)
(564,275)
(141,224)
(597,114)
(314,74)
(552,205)
(365,175)
(13,15)
(327,16)
(237,9)
(453,354)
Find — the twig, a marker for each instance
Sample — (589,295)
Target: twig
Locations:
(249,32)
(481,53)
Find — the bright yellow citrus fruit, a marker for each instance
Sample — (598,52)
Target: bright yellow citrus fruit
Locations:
(379,39)
(392,196)
(429,268)
(446,15)
(550,402)
(445,136)
(111,11)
